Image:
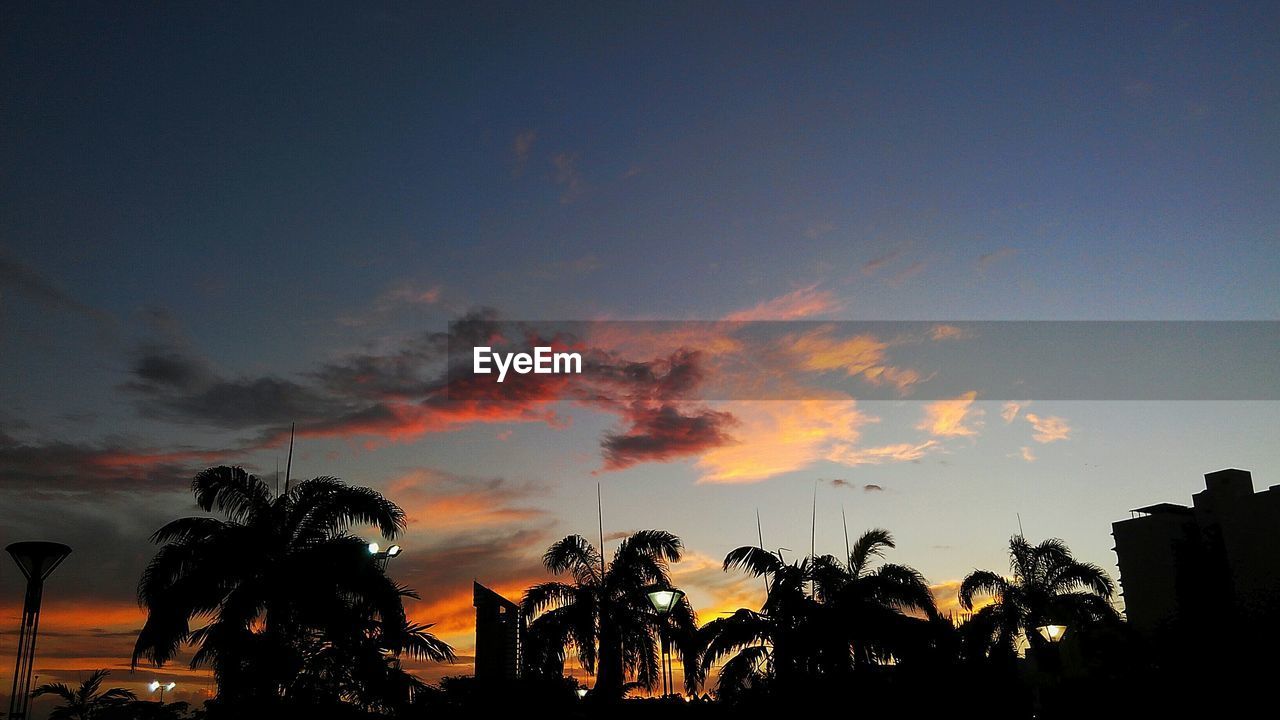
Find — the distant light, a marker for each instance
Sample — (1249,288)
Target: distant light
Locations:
(154,685)
(393,551)
(582,692)
(171,686)
(1052,633)
(664,600)
(373,548)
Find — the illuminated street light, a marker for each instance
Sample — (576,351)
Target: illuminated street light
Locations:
(1052,633)
(663,600)
(582,692)
(382,556)
(155,685)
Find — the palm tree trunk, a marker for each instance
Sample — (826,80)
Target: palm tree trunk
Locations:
(609,677)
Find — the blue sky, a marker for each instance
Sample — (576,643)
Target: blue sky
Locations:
(265,192)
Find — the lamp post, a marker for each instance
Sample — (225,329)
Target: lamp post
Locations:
(36,560)
(382,557)
(663,601)
(1052,634)
(155,685)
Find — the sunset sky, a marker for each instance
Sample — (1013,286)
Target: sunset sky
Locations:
(215,223)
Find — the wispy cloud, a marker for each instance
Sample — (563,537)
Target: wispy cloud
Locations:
(1027,454)
(772,438)
(898,452)
(20,280)
(1048,429)
(1009,411)
(521,149)
(952,418)
(567,177)
(907,273)
(872,266)
(941,332)
(805,302)
(988,259)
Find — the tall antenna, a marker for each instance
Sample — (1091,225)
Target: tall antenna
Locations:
(1020,533)
(288,466)
(813,528)
(813,539)
(848,556)
(277,477)
(760,538)
(600,517)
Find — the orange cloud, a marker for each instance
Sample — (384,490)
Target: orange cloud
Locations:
(1048,429)
(447,501)
(776,437)
(900,452)
(806,302)
(948,418)
(1009,412)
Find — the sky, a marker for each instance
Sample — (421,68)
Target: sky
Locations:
(217,220)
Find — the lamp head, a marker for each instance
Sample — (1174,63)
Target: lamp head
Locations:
(393,551)
(664,600)
(1052,633)
(373,548)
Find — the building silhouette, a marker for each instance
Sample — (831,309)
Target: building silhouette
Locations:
(1210,567)
(500,629)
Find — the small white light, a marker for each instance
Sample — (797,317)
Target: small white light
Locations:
(373,548)
(171,686)
(582,692)
(154,685)
(1052,633)
(664,600)
(393,551)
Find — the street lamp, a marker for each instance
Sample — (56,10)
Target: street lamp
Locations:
(1052,633)
(155,685)
(36,560)
(663,601)
(382,556)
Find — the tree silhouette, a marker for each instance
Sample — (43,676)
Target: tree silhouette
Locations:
(86,701)
(605,615)
(821,619)
(1048,586)
(294,607)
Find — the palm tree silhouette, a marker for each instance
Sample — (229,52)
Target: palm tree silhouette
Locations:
(822,617)
(605,614)
(281,587)
(86,701)
(1049,586)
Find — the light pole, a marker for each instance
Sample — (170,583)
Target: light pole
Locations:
(1052,635)
(36,560)
(155,685)
(663,601)
(382,557)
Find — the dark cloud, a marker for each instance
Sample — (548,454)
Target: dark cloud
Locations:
(658,434)
(172,385)
(23,281)
(108,532)
(425,385)
(110,465)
